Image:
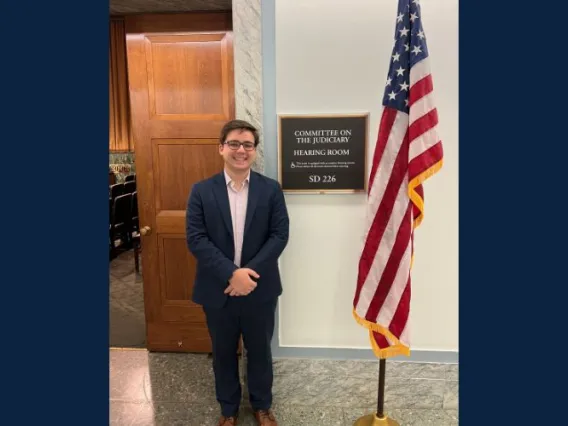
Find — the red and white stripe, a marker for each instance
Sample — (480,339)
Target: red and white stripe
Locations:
(407,147)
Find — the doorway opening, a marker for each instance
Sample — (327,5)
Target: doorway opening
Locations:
(126,292)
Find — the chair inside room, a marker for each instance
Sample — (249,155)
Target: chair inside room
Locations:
(116,190)
(130,187)
(124,228)
(135,231)
(120,224)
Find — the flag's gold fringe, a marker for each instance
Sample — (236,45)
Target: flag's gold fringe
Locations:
(397,348)
(414,196)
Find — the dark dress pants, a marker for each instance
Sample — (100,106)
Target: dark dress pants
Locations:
(256,324)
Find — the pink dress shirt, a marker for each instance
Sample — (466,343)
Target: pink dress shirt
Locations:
(238,201)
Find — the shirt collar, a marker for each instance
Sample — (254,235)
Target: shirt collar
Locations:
(228,179)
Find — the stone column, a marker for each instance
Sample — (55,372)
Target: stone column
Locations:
(248,67)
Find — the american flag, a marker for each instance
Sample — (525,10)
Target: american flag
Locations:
(407,152)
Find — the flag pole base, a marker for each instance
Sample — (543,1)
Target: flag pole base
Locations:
(374,420)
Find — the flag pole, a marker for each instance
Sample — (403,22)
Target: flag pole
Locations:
(379,418)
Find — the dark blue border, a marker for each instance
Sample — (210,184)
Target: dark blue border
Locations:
(55,212)
(512,228)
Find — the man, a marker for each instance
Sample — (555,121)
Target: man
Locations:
(237,227)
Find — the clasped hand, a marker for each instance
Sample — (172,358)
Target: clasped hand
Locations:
(241,283)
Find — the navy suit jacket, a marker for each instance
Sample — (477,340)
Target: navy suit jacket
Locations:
(209,232)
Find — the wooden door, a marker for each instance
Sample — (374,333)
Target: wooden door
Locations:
(180,71)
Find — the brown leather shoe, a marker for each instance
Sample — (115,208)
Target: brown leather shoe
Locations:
(227,421)
(265,418)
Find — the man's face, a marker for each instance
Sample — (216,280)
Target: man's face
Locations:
(238,159)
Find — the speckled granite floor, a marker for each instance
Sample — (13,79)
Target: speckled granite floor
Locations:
(177,389)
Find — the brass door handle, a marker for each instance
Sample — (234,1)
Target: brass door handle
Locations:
(145,230)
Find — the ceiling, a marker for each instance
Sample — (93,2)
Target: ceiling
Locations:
(126,7)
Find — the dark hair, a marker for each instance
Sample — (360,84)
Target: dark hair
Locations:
(238,125)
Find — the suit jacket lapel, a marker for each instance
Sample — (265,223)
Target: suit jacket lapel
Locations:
(220,191)
(252,200)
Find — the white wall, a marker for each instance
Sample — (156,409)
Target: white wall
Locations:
(332,57)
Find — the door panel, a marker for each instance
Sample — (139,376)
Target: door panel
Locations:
(180,70)
(179,163)
(175,268)
(188,76)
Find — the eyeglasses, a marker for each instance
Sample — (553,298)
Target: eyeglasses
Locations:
(234,145)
